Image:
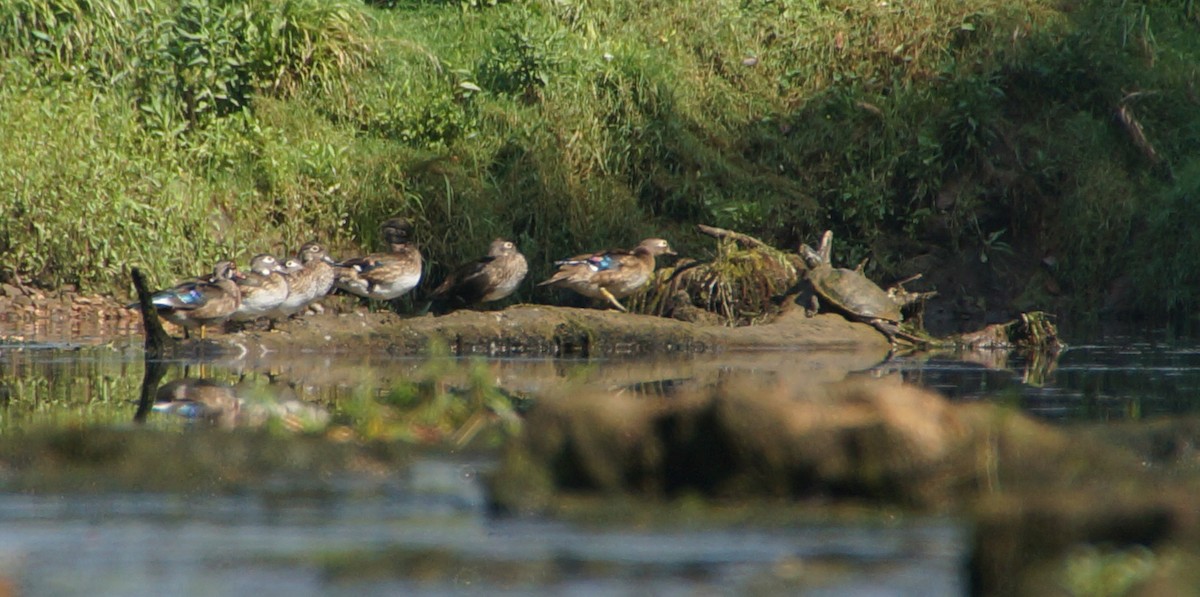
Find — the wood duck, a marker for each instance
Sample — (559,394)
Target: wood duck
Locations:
(309,283)
(198,303)
(291,266)
(384,276)
(243,404)
(610,275)
(486,279)
(263,288)
(200,399)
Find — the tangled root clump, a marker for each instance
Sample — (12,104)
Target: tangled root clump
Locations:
(739,286)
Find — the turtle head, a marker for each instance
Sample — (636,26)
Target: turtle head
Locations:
(811,258)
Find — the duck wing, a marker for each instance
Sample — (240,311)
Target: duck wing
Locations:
(469,283)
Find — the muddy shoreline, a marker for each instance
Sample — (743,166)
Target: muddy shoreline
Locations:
(543,330)
(346,326)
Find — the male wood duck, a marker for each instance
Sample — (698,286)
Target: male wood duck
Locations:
(198,303)
(384,276)
(610,275)
(486,279)
(263,288)
(308,284)
(198,399)
(243,404)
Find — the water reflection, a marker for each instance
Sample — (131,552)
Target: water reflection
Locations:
(58,384)
(107,384)
(1115,380)
(430,531)
(244,404)
(406,545)
(427,529)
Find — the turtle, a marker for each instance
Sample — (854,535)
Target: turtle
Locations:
(850,292)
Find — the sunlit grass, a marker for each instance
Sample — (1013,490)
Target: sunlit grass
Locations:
(171,133)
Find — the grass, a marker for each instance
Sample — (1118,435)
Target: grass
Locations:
(232,128)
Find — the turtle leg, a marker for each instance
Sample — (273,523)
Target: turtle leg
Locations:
(893,331)
(887,328)
(612,299)
(814,305)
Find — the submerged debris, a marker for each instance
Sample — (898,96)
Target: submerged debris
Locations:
(1033,330)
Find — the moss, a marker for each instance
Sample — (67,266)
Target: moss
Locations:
(740,286)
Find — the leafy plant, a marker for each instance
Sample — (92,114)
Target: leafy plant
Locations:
(521,61)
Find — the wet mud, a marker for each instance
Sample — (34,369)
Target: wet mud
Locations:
(540,330)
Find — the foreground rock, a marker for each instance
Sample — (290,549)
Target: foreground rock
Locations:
(1034,494)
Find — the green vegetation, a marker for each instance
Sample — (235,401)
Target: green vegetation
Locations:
(169,133)
(1092,571)
(436,407)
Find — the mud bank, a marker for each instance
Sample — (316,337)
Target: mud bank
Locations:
(540,330)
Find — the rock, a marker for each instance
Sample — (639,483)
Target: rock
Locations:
(871,440)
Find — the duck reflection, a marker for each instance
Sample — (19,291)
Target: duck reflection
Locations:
(244,404)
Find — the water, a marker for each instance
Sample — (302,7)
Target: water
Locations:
(428,530)
(1120,378)
(234,546)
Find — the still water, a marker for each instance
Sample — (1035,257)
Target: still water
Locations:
(427,528)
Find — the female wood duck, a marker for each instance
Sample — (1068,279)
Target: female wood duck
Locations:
(610,275)
(198,303)
(263,288)
(291,266)
(486,279)
(384,276)
(308,284)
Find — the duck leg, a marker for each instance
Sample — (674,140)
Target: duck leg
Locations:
(612,299)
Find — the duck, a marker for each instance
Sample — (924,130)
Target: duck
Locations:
(243,404)
(199,399)
(263,288)
(291,266)
(309,282)
(610,275)
(384,276)
(490,278)
(201,302)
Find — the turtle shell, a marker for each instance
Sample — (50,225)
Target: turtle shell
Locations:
(853,293)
